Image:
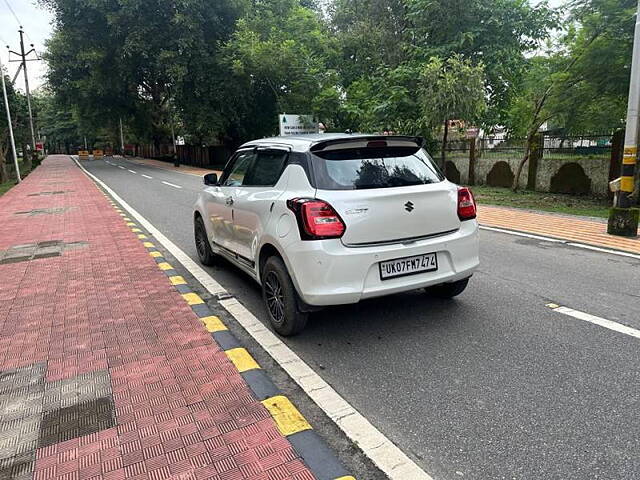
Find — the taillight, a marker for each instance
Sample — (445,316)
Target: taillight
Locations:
(316,219)
(466,204)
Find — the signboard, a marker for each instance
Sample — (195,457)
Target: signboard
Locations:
(97,154)
(83,155)
(39,147)
(473,132)
(297,125)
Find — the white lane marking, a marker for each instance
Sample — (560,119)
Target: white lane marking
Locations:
(602,322)
(120,166)
(604,250)
(145,176)
(564,242)
(110,163)
(132,171)
(375,445)
(171,184)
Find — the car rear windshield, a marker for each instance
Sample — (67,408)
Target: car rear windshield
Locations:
(385,167)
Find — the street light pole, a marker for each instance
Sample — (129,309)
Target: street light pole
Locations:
(11,139)
(623,220)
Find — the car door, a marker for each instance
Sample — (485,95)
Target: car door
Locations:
(220,199)
(253,200)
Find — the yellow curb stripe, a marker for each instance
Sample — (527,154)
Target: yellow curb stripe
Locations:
(177,280)
(131,224)
(165,266)
(126,218)
(242,359)
(192,298)
(148,244)
(287,417)
(213,324)
(136,230)
(155,254)
(142,236)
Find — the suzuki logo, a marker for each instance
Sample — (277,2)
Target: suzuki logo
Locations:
(408,206)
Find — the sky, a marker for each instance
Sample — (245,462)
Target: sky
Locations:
(37,25)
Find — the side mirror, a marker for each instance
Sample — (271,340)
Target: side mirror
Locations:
(211,179)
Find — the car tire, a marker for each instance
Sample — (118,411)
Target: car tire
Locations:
(448,290)
(281,299)
(205,254)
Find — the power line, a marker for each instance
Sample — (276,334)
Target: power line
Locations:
(18,21)
(13,12)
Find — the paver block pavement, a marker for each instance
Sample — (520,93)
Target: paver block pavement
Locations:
(105,370)
(590,232)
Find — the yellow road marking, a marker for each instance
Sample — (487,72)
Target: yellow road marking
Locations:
(155,254)
(125,217)
(348,477)
(165,266)
(177,280)
(242,359)
(131,224)
(552,305)
(287,417)
(135,230)
(192,298)
(148,244)
(141,236)
(213,324)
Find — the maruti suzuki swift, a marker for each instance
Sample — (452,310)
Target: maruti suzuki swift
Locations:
(333,219)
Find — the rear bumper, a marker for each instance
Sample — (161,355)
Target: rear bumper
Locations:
(328,273)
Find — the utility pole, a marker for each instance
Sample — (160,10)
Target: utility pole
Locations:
(623,220)
(23,65)
(11,139)
(121,139)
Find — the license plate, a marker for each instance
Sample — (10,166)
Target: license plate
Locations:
(400,267)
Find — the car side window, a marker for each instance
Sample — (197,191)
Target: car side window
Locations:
(266,168)
(239,169)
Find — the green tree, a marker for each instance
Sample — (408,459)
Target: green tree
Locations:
(452,89)
(277,62)
(19,121)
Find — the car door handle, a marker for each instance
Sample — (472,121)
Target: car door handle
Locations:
(229,201)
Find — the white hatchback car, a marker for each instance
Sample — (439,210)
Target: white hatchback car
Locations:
(333,219)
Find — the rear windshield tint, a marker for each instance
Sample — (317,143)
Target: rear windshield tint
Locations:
(362,168)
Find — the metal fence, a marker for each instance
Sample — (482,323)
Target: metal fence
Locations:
(552,146)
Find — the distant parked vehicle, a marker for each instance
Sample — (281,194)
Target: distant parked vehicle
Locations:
(333,219)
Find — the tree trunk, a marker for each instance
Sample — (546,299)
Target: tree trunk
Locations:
(4,174)
(516,178)
(443,155)
(26,158)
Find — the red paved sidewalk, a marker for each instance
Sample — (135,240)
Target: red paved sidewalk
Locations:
(573,229)
(105,370)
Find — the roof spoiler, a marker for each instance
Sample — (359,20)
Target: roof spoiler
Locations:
(348,141)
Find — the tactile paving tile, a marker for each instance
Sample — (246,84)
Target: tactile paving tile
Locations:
(35,413)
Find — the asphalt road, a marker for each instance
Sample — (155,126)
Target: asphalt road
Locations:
(493,385)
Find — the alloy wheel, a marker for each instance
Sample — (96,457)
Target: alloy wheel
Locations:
(274,297)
